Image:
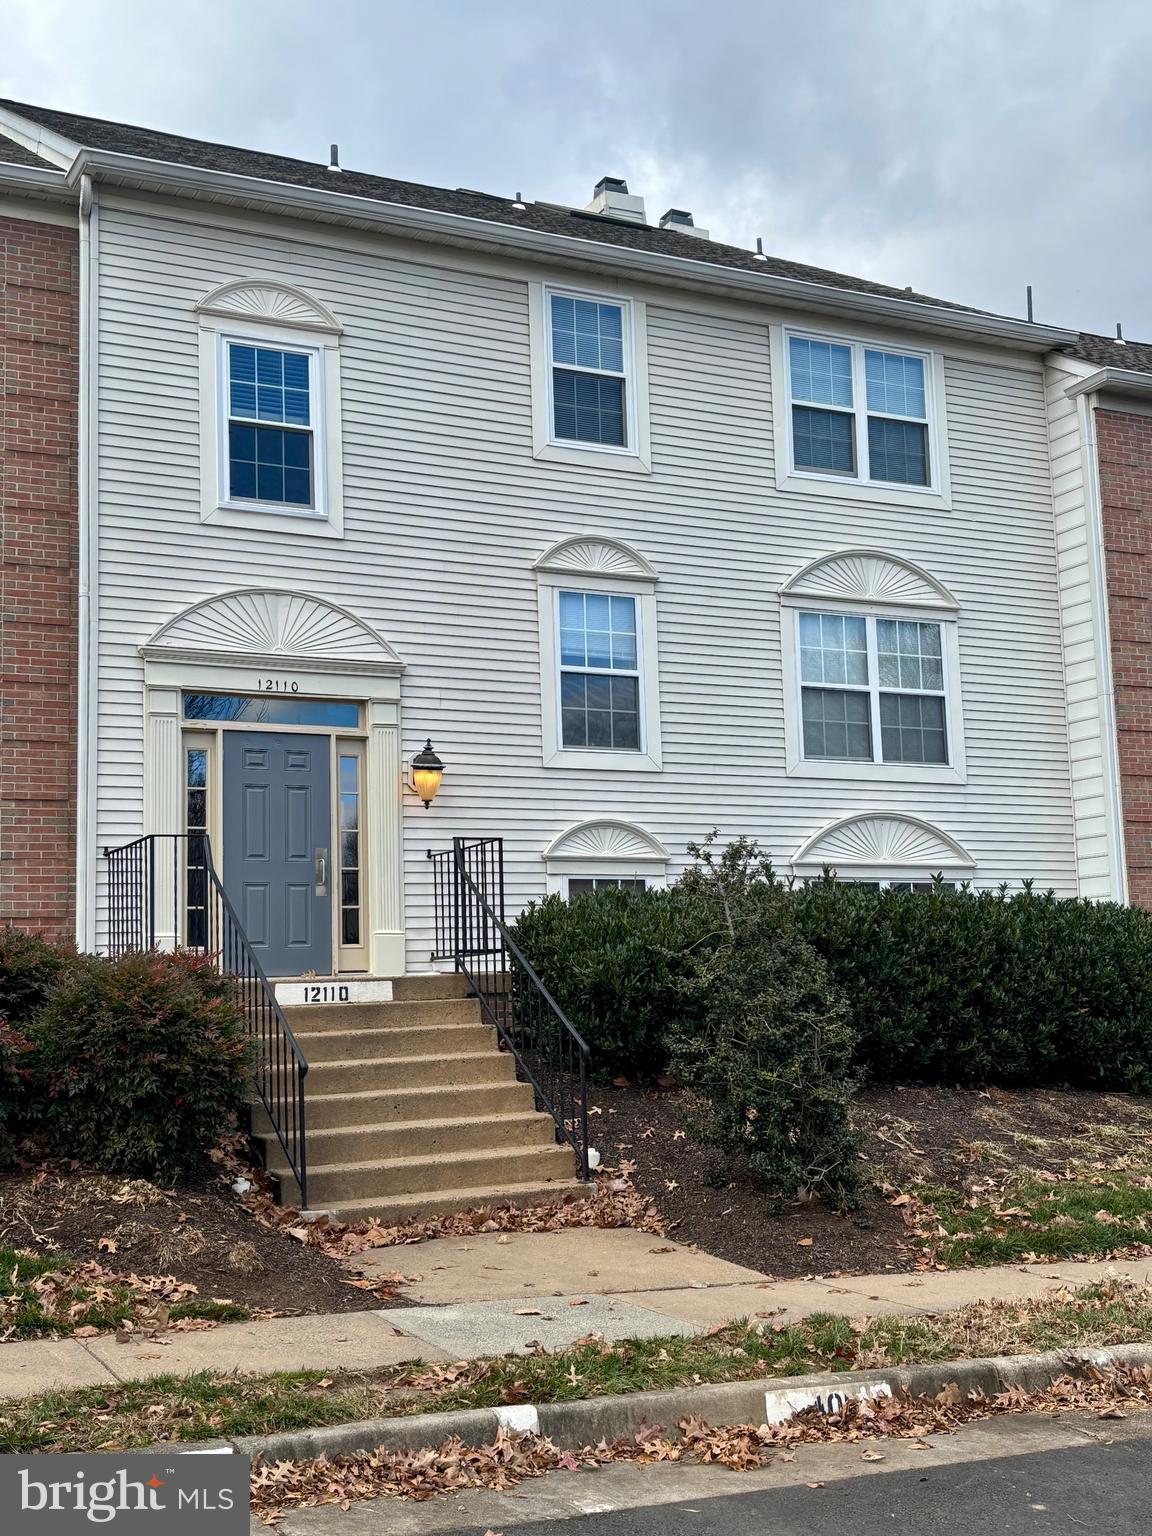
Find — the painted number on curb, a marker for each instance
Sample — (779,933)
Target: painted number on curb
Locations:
(781,1406)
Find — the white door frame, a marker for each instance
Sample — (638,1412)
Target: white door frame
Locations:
(238,643)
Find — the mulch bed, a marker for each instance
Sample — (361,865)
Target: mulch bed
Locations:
(910,1135)
(196,1231)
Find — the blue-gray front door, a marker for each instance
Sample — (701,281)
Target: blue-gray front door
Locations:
(277,827)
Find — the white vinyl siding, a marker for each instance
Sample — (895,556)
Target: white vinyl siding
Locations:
(446,509)
(1087,666)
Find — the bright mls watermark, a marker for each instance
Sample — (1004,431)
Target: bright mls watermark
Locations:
(146,1495)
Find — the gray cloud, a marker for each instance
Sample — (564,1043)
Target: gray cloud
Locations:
(967,147)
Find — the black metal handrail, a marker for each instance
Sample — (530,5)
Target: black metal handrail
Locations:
(145,910)
(468,890)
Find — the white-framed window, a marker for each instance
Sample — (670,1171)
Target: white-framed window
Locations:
(872,689)
(271,403)
(271,454)
(588,885)
(866,415)
(599,680)
(923,886)
(589,378)
(871,666)
(589,348)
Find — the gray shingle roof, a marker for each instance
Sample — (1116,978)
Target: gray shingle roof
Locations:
(1107,352)
(12,153)
(121,138)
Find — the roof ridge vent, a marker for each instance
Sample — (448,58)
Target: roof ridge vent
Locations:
(612,199)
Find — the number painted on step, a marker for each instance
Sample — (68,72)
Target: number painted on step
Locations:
(277,685)
(323,994)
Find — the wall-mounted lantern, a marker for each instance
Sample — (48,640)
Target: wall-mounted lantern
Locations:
(425,773)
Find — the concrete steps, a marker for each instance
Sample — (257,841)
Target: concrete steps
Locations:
(413,1110)
(387,1106)
(402,1208)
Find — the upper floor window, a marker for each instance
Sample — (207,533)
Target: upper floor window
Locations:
(270,448)
(270,417)
(588,354)
(872,689)
(860,413)
(590,391)
(599,673)
(871,660)
(600,706)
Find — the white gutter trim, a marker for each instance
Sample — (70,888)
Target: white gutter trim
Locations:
(430,223)
(30,178)
(1097,562)
(89,574)
(42,141)
(1127,381)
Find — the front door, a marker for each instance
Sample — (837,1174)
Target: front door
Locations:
(277,862)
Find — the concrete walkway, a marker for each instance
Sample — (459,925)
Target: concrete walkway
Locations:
(500,1293)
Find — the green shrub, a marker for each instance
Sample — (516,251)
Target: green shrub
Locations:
(941,986)
(29,968)
(141,1062)
(769,1061)
(615,963)
(978,987)
(15,1076)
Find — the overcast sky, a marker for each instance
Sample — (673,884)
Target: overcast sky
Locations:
(966,147)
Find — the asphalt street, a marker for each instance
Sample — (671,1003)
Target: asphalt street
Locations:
(1016,1475)
(1094,1488)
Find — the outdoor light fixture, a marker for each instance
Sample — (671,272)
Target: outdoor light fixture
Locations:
(426,771)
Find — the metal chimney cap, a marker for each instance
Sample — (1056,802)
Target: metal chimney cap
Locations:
(612,184)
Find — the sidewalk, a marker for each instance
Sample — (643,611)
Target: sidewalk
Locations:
(497,1294)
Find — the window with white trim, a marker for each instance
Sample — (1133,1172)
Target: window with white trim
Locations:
(872,689)
(859,412)
(599,669)
(270,450)
(600,683)
(588,345)
(271,453)
(922,886)
(588,885)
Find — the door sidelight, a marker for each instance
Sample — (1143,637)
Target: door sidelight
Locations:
(321,871)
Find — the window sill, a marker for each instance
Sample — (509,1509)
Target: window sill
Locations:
(593,458)
(263,518)
(612,762)
(878,773)
(800,483)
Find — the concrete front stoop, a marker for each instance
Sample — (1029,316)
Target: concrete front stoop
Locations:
(414,1111)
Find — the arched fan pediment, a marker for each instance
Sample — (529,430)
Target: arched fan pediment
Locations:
(869,576)
(879,839)
(270,623)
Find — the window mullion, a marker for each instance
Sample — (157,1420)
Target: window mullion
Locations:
(874,687)
(860,399)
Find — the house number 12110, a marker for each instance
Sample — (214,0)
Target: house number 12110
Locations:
(277,685)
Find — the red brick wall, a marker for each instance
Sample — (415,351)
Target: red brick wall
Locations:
(38,573)
(1124,452)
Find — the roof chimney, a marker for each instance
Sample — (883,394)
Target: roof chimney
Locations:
(681,219)
(612,199)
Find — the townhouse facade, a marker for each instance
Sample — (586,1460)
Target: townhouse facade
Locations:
(642,534)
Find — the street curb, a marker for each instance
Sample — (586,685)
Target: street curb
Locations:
(572,1425)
